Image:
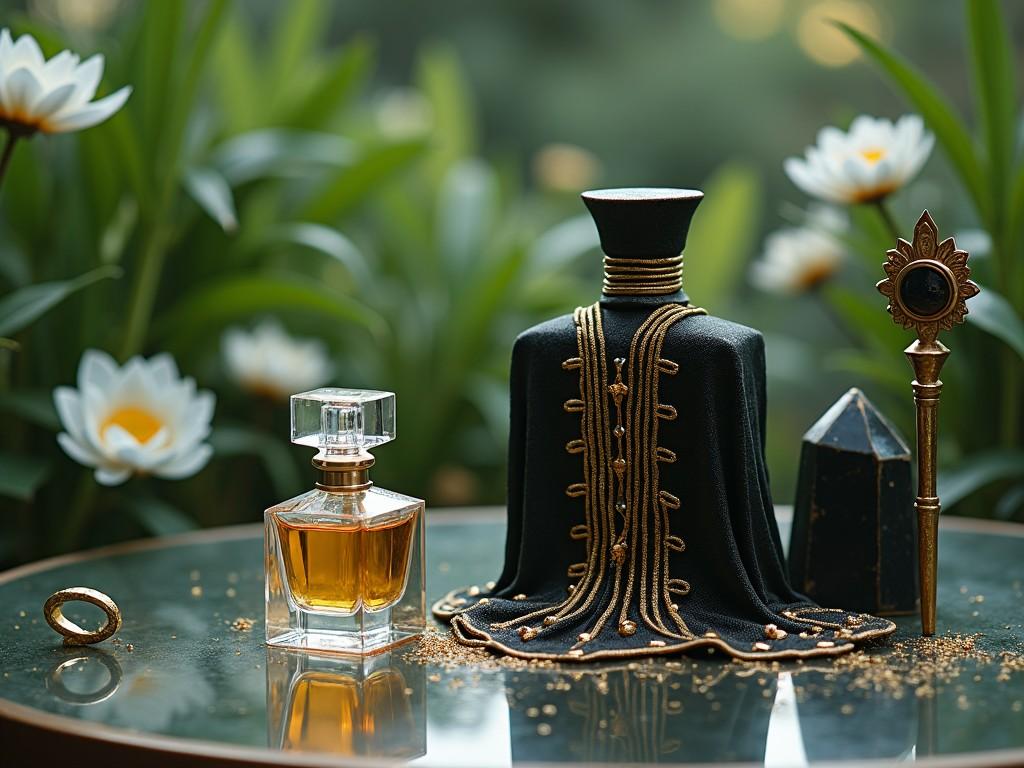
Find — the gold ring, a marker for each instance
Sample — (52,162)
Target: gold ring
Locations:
(74,634)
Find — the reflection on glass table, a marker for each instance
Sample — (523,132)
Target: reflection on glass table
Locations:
(90,676)
(203,681)
(370,707)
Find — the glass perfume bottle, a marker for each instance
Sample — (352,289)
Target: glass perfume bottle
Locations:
(374,706)
(344,562)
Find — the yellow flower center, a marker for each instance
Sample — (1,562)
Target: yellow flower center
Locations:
(872,155)
(138,422)
(814,275)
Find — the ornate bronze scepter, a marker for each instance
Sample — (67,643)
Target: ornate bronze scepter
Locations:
(927,286)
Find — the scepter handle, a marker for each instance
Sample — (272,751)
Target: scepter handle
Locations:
(927,359)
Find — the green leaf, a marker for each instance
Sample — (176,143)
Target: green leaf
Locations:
(948,128)
(158,46)
(722,236)
(277,152)
(239,82)
(866,318)
(275,455)
(971,474)
(14,264)
(1016,223)
(34,406)
(300,25)
(871,367)
(213,305)
(158,517)
(334,89)
(471,320)
(27,192)
(564,243)
(994,315)
(465,213)
(453,134)
(22,307)
(184,99)
(123,149)
(209,189)
(327,241)
(995,90)
(21,476)
(350,186)
(117,233)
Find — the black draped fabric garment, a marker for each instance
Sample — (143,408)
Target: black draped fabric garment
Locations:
(640,519)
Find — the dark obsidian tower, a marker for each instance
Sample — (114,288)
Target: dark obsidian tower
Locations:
(854,540)
(639,515)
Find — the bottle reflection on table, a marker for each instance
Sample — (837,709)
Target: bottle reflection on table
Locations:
(367,707)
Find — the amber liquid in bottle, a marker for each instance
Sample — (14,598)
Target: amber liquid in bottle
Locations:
(339,567)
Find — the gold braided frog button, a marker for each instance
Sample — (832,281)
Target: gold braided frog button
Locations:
(72,633)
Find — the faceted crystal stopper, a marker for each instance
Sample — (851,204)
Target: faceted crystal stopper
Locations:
(342,422)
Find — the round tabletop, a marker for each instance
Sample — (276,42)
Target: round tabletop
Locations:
(188,680)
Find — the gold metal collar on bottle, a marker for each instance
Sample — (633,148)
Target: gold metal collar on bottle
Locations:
(344,474)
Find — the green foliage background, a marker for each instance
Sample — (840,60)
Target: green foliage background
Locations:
(251,175)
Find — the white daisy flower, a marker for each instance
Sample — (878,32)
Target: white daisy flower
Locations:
(271,363)
(140,418)
(799,259)
(50,96)
(872,160)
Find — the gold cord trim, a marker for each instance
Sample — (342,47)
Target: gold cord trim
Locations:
(574,406)
(469,635)
(679,587)
(666,412)
(576,490)
(575,446)
(642,277)
(664,455)
(668,500)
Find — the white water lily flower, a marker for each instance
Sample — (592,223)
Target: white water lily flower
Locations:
(142,418)
(271,363)
(867,163)
(799,259)
(50,96)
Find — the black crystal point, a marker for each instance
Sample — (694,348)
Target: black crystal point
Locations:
(925,291)
(854,538)
(642,223)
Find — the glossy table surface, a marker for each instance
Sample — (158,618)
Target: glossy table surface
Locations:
(190,682)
